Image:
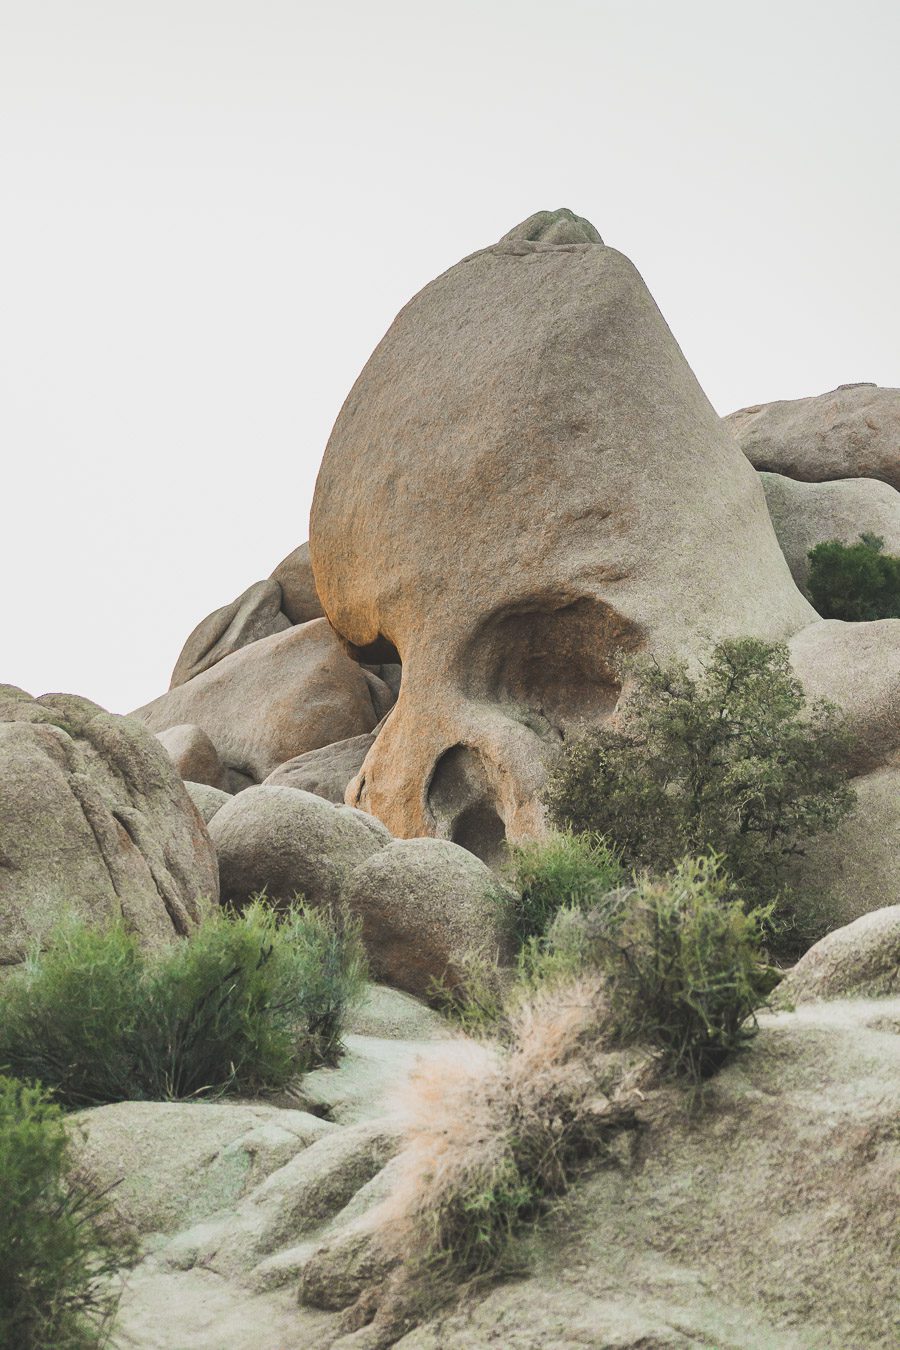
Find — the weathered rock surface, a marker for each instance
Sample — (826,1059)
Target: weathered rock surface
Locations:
(299,599)
(851,432)
(861,960)
(193,754)
(208,800)
(275,699)
(290,842)
(425,905)
(93,819)
(806,514)
(255,614)
(604,506)
(326,772)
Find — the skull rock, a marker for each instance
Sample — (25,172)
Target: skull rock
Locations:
(526,479)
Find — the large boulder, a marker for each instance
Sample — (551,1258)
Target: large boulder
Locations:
(426,906)
(288,842)
(94,820)
(299,599)
(861,960)
(255,614)
(851,432)
(525,479)
(208,800)
(275,699)
(806,514)
(194,755)
(326,772)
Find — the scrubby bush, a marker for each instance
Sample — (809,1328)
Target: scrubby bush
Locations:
(735,760)
(248,1000)
(856,582)
(565,871)
(684,964)
(494,1132)
(55,1267)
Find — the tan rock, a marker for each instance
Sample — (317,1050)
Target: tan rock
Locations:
(851,432)
(806,514)
(94,820)
(299,599)
(193,754)
(530,494)
(288,842)
(426,905)
(255,614)
(277,698)
(326,772)
(861,960)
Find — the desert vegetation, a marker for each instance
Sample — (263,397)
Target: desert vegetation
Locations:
(250,1000)
(855,582)
(56,1273)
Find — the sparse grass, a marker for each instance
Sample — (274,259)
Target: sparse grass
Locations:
(249,1000)
(56,1286)
(565,871)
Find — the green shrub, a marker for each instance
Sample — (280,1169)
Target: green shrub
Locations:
(734,761)
(566,871)
(248,1000)
(855,582)
(55,1268)
(685,965)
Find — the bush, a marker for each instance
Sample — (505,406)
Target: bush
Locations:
(55,1285)
(735,761)
(246,1001)
(495,1132)
(567,871)
(684,964)
(855,582)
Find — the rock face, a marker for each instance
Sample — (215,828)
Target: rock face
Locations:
(275,699)
(194,755)
(290,842)
(562,489)
(425,905)
(93,819)
(326,772)
(861,960)
(806,514)
(851,432)
(299,600)
(253,615)
(208,800)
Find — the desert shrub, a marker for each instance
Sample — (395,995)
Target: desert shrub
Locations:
(248,1000)
(735,760)
(494,1132)
(565,871)
(856,582)
(55,1269)
(684,963)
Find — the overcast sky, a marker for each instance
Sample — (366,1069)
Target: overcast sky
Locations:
(211,211)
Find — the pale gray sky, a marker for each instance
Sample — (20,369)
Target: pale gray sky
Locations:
(212,209)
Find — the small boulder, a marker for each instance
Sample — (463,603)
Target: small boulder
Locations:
(806,514)
(95,821)
(208,800)
(193,754)
(426,905)
(275,699)
(255,614)
(851,432)
(290,842)
(299,598)
(325,772)
(861,960)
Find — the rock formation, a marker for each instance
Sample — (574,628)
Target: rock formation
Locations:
(851,432)
(95,821)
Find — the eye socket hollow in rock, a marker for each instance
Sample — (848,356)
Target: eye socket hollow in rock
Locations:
(462,803)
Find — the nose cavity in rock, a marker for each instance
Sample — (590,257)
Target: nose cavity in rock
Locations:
(463,805)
